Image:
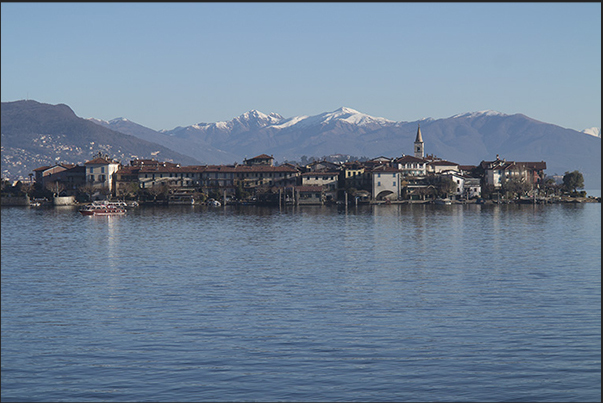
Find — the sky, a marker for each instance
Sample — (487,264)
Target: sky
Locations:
(164,65)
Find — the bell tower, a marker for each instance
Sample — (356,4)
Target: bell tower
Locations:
(419,145)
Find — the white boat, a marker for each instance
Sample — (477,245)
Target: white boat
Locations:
(104,208)
(443,201)
(215,203)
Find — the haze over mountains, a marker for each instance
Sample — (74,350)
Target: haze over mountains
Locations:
(466,139)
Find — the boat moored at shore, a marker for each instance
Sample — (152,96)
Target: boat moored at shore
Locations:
(104,209)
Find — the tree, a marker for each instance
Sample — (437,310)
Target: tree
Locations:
(240,192)
(516,187)
(550,187)
(446,186)
(88,190)
(104,191)
(160,190)
(572,181)
(56,188)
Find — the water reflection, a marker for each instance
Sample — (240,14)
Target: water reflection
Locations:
(384,303)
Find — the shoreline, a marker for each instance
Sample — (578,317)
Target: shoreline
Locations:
(20,202)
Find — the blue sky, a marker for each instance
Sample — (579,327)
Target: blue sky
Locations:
(164,65)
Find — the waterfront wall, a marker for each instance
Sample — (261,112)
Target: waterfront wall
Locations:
(15,201)
(64,201)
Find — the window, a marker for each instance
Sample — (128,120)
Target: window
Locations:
(378,183)
(102,170)
(394,183)
(91,170)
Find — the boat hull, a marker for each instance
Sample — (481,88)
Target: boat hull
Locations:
(102,213)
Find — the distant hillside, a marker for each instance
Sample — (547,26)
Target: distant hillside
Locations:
(36,134)
(466,138)
(201,150)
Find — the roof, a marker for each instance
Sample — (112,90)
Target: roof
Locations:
(215,168)
(101,161)
(419,138)
(504,165)
(261,157)
(442,162)
(384,168)
(409,158)
(381,158)
(321,173)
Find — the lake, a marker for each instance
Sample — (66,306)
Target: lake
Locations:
(310,303)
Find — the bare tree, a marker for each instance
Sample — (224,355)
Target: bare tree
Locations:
(56,188)
(88,190)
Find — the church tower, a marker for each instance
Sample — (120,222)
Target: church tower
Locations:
(419,146)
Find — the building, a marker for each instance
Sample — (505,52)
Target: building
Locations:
(260,160)
(322,166)
(438,166)
(71,176)
(309,195)
(352,176)
(100,172)
(500,171)
(385,183)
(411,166)
(327,180)
(467,187)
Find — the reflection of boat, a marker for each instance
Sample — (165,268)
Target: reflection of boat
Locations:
(104,208)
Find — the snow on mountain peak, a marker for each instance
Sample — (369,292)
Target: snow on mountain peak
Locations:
(343,109)
(486,112)
(97,120)
(352,116)
(254,114)
(593,131)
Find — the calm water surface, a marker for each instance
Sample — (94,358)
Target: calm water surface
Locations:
(376,303)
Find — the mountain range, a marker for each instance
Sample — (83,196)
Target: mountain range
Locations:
(466,138)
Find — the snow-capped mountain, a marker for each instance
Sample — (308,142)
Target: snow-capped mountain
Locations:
(593,131)
(252,120)
(343,115)
(478,114)
(466,138)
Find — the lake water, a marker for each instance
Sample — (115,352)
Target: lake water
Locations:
(376,303)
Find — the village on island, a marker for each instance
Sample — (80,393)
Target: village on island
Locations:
(417,178)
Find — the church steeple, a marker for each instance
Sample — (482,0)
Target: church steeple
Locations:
(419,145)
